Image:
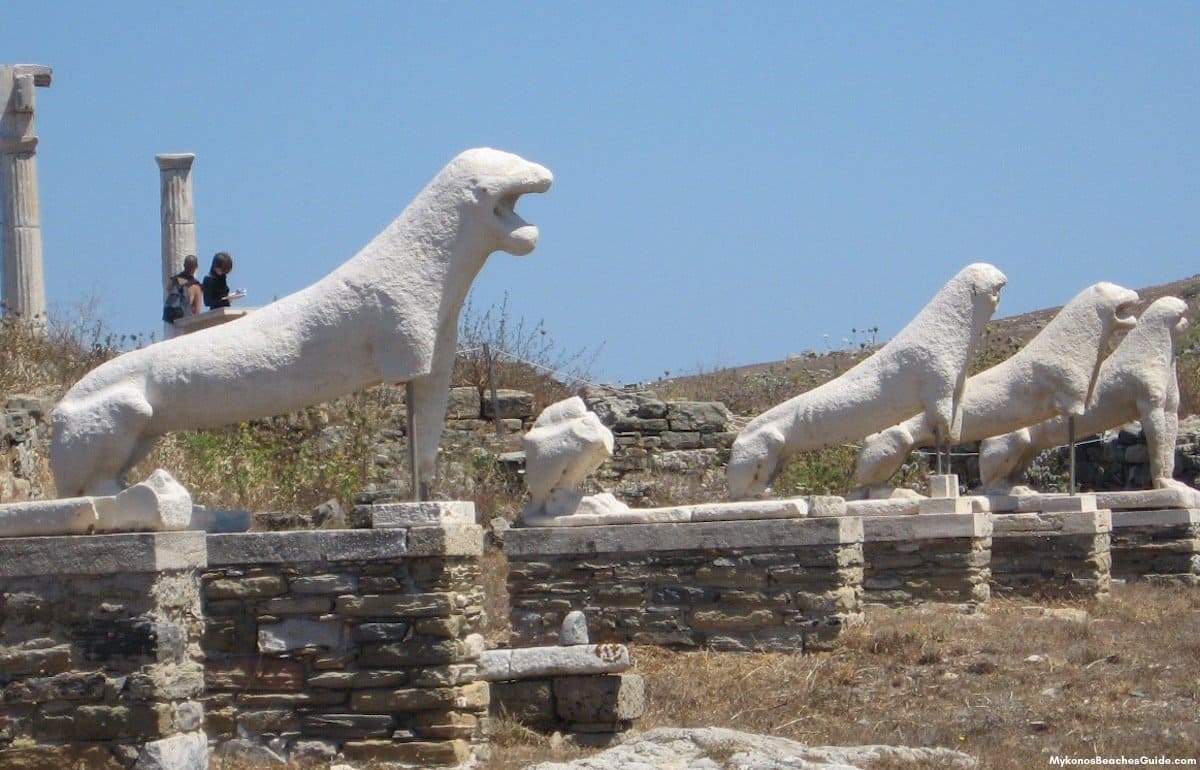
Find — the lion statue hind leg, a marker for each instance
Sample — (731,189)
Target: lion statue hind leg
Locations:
(90,455)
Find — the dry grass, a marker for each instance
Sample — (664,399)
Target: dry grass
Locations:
(1125,682)
(1009,685)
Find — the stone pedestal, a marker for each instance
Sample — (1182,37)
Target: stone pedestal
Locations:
(784,584)
(22,288)
(350,642)
(581,689)
(208,318)
(927,558)
(99,652)
(1052,554)
(943,485)
(1160,545)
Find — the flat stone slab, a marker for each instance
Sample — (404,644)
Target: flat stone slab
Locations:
(305,546)
(895,506)
(683,536)
(1167,517)
(926,527)
(791,508)
(424,514)
(66,516)
(1049,503)
(1149,499)
(330,545)
(1051,523)
(102,554)
(539,662)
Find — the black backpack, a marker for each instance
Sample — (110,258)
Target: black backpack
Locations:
(177,302)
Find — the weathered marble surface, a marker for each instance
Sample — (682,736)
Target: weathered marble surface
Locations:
(1155,499)
(389,314)
(790,508)
(1137,382)
(566,443)
(923,368)
(561,660)
(159,503)
(711,748)
(1053,375)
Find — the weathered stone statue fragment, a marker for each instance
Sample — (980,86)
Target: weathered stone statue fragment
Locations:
(566,443)
(922,369)
(1053,375)
(1137,382)
(389,314)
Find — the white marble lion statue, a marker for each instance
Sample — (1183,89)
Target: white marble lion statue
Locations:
(921,368)
(1137,382)
(389,314)
(1053,375)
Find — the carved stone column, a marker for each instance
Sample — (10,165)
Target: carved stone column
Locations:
(22,286)
(178,211)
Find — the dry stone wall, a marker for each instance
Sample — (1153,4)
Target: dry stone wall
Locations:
(934,557)
(1052,554)
(787,584)
(100,664)
(347,641)
(24,440)
(1162,545)
(654,438)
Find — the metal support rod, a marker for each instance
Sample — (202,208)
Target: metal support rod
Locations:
(491,370)
(937,448)
(419,493)
(1071,442)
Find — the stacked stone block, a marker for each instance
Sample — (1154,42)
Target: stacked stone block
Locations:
(593,709)
(786,584)
(24,437)
(577,688)
(654,435)
(468,410)
(1052,554)
(99,652)
(350,642)
(927,558)
(1159,545)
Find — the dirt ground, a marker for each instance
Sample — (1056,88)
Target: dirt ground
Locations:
(1012,684)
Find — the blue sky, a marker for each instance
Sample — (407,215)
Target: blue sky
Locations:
(734,183)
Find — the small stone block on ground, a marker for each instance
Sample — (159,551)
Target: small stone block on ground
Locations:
(600,699)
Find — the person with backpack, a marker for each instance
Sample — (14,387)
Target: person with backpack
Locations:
(183,295)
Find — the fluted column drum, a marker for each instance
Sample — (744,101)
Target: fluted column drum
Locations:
(178,211)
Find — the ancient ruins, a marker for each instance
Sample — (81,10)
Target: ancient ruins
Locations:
(139,631)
